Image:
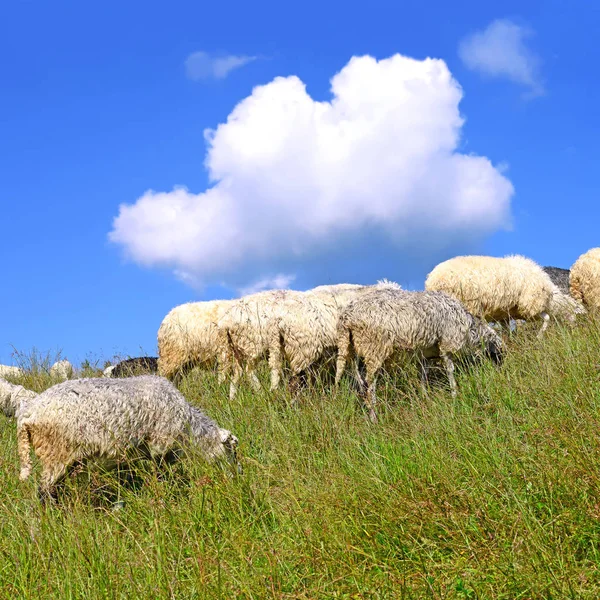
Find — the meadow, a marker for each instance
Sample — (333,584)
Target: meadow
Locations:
(494,494)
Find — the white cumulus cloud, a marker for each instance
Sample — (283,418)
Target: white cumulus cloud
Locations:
(500,50)
(202,65)
(279,282)
(326,190)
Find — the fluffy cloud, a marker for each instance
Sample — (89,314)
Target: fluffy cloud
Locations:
(500,51)
(326,190)
(201,65)
(280,281)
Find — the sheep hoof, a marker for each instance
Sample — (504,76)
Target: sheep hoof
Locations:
(372,415)
(47,496)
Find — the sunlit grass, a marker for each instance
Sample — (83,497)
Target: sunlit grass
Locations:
(494,494)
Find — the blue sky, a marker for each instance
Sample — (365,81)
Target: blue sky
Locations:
(98,105)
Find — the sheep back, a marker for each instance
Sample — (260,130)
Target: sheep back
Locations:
(495,288)
(585,279)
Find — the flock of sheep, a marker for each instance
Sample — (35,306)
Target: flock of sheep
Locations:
(366,326)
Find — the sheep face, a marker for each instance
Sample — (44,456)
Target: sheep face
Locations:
(219,446)
(229,443)
(563,306)
(483,337)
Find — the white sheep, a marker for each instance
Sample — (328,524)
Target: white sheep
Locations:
(304,327)
(62,370)
(108,419)
(187,337)
(243,334)
(381,324)
(9,371)
(501,289)
(11,396)
(584,280)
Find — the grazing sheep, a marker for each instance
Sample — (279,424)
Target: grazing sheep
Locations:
(111,419)
(11,396)
(62,370)
(304,327)
(8,371)
(383,323)
(501,289)
(187,337)
(243,334)
(559,277)
(139,365)
(585,279)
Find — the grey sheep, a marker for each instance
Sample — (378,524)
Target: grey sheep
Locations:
(384,323)
(110,419)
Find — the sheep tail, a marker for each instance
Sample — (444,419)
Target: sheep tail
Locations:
(276,352)
(345,350)
(24,449)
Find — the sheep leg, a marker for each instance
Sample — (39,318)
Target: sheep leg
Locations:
(345,351)
(235,378)
(275,368)
(371,401)
(251,373)
(222,372)
(360,380)
(162,459)
(276,352)
(254,382)
(49,480)
(546,318)
(424,374)
(294,387)
(371,385)
(450,372)
(24,448)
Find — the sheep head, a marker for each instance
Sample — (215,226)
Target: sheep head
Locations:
(230,444)
(484,337)
(565,307)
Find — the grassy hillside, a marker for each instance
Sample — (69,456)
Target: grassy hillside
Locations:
(492,495)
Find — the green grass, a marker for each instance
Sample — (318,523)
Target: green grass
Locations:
(494,494)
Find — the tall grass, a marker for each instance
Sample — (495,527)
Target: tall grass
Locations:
(494,494)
